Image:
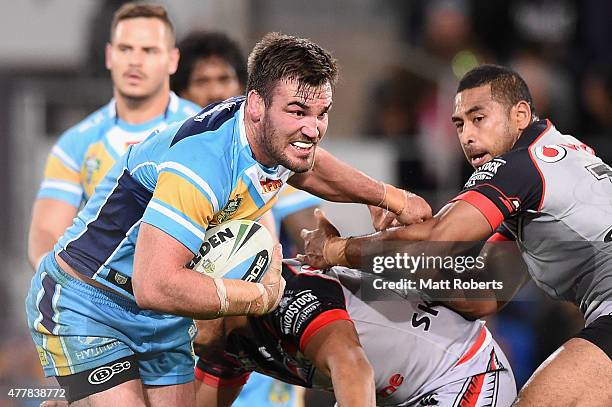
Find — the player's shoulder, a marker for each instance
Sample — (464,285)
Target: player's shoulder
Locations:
(182,108)
(217,119)
(85,132)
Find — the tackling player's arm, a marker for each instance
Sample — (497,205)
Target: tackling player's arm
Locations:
(336,351)
(334,180)
(457,222)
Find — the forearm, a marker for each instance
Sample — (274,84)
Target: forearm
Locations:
(40,242)
(380,243)
(336,181)
(50,218)
(354,384)
(187,293)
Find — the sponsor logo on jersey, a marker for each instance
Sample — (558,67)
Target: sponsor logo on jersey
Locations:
(230,208)
(301,307)
(192,331)
(394,382)
(279,394)
(217,108)
(42,355)
(105,373)
(270,185)
(429,400)
(92,165)
(96,351)
(550,153)
(485,172)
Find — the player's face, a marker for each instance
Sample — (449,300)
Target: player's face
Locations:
(212,80)
(483,125)
(294,124)
(141,58)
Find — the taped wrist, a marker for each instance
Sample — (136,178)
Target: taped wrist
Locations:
(394,199)
(334,252)
(237,297)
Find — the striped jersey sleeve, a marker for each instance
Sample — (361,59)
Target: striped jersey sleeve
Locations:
(62,179)
(188,192)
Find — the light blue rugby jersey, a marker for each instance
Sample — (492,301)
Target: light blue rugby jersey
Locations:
(87,151)
(190,175)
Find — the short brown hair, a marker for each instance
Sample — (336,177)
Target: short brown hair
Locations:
(278,56)
(144,10)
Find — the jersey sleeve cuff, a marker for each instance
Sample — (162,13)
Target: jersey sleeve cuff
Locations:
(217,382)
(319,322)
(490,211)
(172,223)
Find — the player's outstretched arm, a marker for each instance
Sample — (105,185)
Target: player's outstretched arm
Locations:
(335,350)
(50,218)
(162,283)
(334,180)
(456,222)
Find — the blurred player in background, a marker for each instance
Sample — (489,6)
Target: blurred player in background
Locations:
(213,69)
(547,191)
(140,56)
(323,334)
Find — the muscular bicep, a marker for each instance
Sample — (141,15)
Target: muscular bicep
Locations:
(335,343)
(157,254)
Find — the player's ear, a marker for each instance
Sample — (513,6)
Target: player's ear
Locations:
(108,54)
(522,114)
(175,55)
(255,105)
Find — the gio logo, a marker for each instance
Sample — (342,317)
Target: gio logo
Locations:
(105,373)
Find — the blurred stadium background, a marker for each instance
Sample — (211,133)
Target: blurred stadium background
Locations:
(400,62)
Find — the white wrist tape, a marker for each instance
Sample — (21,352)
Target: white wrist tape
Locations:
(264,296)
(222,294)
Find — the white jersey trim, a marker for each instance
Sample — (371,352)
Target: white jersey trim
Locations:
(194,177)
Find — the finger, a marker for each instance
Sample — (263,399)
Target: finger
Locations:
(304,233)
(321,218)
(277,252)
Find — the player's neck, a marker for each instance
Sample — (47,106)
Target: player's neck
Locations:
(141,110)
(258,151)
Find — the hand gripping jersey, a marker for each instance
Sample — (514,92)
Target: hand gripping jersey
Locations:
(85,152)
(190,175)
(554,196)
(415,348)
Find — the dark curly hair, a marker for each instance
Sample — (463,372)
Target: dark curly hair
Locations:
(202,45)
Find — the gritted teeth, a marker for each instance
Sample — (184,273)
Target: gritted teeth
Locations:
(301,144)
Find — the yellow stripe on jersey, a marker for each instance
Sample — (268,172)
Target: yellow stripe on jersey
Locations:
(95,166)
(55,350)
(248,209)
(180,194)
(56,169)
(288,190)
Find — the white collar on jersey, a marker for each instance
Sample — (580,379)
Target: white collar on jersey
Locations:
(173,105)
